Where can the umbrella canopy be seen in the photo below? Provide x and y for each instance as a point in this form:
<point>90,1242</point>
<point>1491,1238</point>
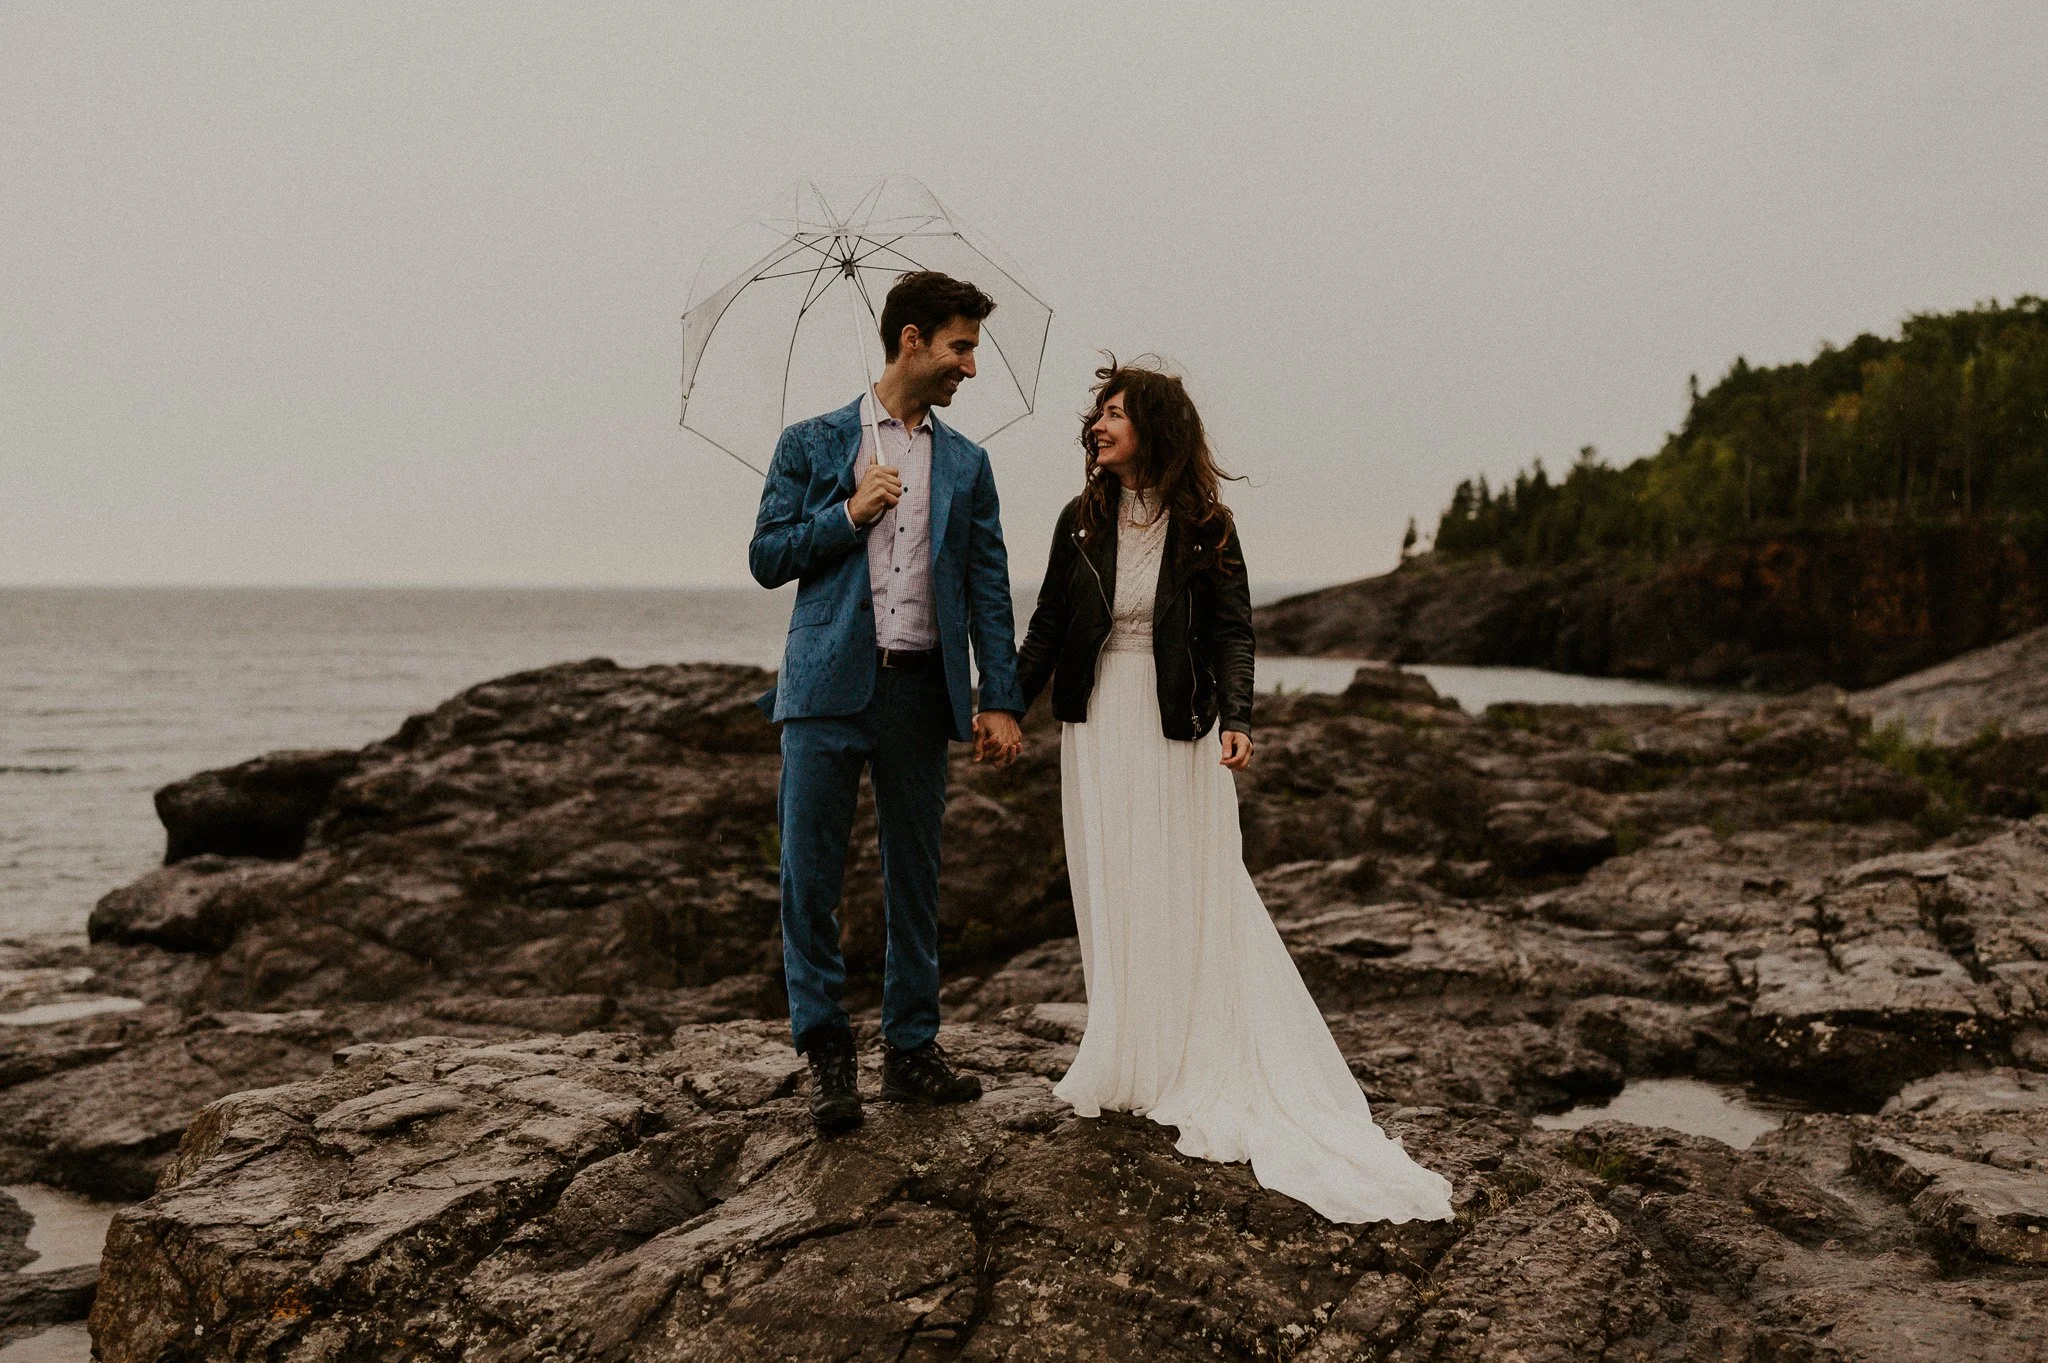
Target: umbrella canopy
<point>784,314</point>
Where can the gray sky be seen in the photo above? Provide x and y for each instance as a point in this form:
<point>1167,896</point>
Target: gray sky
<point>381,293</point>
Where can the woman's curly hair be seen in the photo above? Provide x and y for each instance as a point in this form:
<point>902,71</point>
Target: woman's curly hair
<point>1176,464</point>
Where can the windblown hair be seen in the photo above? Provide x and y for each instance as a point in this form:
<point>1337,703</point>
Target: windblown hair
<point>1175,462</point>
<point>927,300</point>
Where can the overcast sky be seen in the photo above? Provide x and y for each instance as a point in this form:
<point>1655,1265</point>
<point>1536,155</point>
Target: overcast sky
<point>373,293</point>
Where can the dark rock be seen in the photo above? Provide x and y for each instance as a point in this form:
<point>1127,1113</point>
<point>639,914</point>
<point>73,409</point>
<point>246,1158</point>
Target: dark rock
<point>584,847</point>
<point>1977,1207</point>
<point>1388,684</point>
<point>258,808</point>
<point>2002,689</point>
<point>30,1301</point>
<point>105,1129</point>
<point>1902,966</point>
<point>579,1199</point>
<point>1781,612</point>
<point>199,904</point>
<point>1531,837</point>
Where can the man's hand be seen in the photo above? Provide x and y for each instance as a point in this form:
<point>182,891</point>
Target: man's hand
<point>998,737</point>
<point>881,485</point>
<point>1237,750</point>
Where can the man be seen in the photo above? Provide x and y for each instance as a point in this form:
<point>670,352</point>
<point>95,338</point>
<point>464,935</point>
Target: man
<point>898,555</point>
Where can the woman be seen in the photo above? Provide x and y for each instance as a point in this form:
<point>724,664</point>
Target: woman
<point>1197,1017</point>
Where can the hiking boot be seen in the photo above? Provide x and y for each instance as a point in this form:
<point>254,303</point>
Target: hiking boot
<point>923,1075</point>
<point>835,1090</point>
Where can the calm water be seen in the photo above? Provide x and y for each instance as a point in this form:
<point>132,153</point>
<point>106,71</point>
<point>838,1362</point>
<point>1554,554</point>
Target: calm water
<point>108,693</point>
<point>1729,1113</point>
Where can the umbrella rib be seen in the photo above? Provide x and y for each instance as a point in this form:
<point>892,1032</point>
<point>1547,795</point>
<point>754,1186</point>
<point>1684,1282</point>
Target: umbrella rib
<point>787,274</point>
<point>1011,370</point>
<point>878,245</point>
<point>722,449</point>
<point>789,357</point>
<point>860,287</point>
<point>993,264</point>
<point>890,245</point>
<point>713,328</point>
<point>889,248</point>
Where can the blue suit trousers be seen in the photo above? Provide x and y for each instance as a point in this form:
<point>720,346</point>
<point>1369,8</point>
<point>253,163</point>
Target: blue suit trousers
<point>901,738</point>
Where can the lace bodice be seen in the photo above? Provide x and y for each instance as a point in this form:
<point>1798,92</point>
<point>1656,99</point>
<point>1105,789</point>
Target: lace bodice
<point>1140,548</point>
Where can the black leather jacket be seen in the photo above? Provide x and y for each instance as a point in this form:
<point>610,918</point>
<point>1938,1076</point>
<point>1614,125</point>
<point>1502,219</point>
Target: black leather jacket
<point>1201,629</point>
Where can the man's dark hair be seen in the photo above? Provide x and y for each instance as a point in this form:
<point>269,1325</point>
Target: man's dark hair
<point>927,300</point>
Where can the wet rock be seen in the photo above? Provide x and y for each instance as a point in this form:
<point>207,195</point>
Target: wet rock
<point>575,830</point>
<point>565,1013</point>
<point>2003,688</point>
<point>106,1129</point>
<point>197,904</point>
<point>258,808</point>
<point>583,847</point>
<point>569,1195</point>
<point>1642,1036</point>
<point>1978,1208</point>
<point>1388,684</point>
<point>1902,965</point>
<point>1530,837</point>
<point>33,1301</point>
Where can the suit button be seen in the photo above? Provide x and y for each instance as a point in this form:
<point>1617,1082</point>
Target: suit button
<point>867,605</point>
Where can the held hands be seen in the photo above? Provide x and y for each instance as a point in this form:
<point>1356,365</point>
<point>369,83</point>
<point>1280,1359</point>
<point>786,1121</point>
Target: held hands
<point>1237,750</point>
<point>881,485</point>
<point>997,737</point>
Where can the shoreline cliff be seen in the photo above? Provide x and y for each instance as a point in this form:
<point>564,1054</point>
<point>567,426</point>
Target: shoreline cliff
<point>1852,608</point>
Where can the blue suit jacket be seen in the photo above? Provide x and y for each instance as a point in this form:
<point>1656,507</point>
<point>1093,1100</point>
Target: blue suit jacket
<point>803,532</point>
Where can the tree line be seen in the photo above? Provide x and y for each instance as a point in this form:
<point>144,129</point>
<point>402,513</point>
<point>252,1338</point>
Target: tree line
<point>1946,424</point>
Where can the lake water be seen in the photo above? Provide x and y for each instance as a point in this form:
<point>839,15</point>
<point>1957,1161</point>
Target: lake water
<point>107,694</point>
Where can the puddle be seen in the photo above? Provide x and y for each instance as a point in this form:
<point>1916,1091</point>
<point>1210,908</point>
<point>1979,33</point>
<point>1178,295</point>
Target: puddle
<point>1728,1113</point>
<point>68,1011</point>
<point>69,1229</point>
<point>59,1344</point>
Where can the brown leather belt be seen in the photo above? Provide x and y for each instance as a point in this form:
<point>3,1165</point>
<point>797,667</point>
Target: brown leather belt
<point>907,660</point>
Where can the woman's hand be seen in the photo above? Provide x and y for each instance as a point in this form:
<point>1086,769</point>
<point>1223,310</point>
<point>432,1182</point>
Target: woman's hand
<point>1237,750</point>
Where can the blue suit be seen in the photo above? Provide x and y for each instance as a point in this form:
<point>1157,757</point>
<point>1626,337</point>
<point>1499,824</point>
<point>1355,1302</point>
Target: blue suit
<point>841,712</point>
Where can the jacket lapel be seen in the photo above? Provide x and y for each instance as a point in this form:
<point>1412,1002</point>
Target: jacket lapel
<point>1171,577</point>
<point>844,456</point>
<point>947,471</point>
<point>1100,551</point>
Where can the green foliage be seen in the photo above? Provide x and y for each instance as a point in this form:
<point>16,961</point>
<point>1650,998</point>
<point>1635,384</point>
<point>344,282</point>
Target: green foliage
<point>1948,795</point>
<point>1949,421</point>
<point>1612,740</point>
<point>1510,714</point>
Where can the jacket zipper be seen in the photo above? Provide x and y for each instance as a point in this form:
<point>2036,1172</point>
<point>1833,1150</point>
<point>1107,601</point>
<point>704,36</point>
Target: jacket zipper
<point>1109,616</point>
<point>1194,678</point>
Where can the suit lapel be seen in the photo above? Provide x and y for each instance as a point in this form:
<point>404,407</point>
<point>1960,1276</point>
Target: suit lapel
<point>946,475</point>
<point>844,456</point>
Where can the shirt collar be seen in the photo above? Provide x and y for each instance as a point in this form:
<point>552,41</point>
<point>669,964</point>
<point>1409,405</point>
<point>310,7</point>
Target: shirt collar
<point>880,415</point>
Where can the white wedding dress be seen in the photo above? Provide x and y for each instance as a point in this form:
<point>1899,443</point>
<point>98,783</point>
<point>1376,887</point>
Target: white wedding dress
<point>1197,1017</point>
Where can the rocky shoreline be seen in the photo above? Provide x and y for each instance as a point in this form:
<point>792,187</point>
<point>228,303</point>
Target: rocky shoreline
<point>466,1045</point>
<point>1854,607</point>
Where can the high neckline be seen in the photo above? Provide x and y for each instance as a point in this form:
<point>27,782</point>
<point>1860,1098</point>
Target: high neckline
<point>1137,502</point>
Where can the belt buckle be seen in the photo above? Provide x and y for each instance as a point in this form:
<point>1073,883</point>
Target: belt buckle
<point>885,659</point>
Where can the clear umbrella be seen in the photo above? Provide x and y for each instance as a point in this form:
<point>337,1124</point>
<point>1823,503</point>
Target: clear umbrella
<point>783,315</point>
